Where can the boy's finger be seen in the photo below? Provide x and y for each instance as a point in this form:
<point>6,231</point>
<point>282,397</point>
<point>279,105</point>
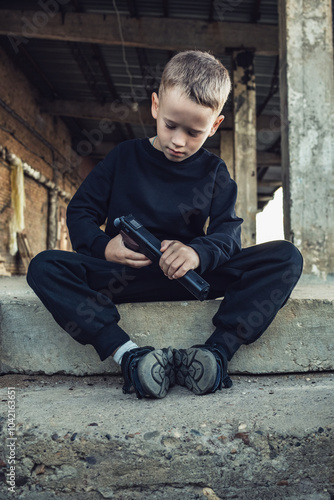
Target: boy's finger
<point>130,255</point>
<point>137,264</point>
<point>165,244</point>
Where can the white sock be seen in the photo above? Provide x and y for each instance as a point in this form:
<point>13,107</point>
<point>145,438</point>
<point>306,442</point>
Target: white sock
<point>122,350</point>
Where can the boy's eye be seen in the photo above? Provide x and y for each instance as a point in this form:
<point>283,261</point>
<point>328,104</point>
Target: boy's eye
<point>190,132</point>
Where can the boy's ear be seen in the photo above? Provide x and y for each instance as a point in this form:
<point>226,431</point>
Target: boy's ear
<point>216,124</point>
<point>155,105</point>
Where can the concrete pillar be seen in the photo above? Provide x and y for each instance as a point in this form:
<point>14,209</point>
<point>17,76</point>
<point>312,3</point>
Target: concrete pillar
<point>227,150</point>
<point>307,107</point>
<point>244,106</point>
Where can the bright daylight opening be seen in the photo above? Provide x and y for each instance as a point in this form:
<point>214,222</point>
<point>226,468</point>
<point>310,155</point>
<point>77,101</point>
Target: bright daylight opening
<point>269,222</point>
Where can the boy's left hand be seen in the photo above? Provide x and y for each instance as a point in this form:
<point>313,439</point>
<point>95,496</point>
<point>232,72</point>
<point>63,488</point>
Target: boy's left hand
<point>177,259</point>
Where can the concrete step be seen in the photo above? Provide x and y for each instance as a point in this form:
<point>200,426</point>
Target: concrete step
<point>268,437</point>
<point>299,340</point>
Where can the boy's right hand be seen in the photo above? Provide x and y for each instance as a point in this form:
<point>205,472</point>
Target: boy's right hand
<point>117,252</point>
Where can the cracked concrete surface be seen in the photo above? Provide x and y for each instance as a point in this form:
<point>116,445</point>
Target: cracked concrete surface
<point>267,437</point>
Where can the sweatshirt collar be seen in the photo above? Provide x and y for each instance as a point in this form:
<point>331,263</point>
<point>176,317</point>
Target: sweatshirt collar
<point>159,155</point>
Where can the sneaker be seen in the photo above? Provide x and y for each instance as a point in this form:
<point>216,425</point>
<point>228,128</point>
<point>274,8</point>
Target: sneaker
<point>201,368</point>
<point>150,371</point>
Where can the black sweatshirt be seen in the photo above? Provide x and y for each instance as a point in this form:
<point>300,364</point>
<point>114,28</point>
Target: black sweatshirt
<point>172,200</point>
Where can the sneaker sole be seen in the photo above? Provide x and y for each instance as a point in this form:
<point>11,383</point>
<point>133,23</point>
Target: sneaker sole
<point>196,369</point>
<point>156,372</point>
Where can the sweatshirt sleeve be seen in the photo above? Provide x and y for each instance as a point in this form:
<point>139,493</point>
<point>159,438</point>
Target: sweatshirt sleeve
<point>222,239</point>
<point>88,210</point>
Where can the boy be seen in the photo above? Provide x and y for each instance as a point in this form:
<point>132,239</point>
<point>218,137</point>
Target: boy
<point>173,186</point>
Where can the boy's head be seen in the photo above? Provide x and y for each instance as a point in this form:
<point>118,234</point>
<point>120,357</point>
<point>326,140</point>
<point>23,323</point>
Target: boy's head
<point>194,88</point>
<point>200,76</point>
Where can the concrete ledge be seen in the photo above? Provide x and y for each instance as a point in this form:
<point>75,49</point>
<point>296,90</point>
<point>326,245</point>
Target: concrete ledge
<point>300,338</point>
<point>265,438</point>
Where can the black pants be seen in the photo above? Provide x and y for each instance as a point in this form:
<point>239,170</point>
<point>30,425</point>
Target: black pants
<point>81,293</point>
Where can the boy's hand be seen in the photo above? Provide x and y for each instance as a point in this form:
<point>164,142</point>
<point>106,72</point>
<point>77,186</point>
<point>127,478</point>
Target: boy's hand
<point>177,259</point>
<point>117,252</point>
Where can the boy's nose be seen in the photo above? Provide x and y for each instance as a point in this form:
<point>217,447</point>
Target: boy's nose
<point>179,138</point>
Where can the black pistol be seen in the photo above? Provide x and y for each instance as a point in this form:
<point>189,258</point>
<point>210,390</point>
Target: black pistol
<point>138,238</point>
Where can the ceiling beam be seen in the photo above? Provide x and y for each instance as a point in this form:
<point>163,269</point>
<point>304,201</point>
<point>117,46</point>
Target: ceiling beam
<point>155,33</point>
<point>116,111</point>
<point>126,113</point>
<point>268,159</point>
<point>265,183</point>
<point>265,198</point>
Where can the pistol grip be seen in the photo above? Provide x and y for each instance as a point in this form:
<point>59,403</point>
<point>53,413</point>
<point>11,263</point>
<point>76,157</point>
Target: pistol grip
<point>129,242</point>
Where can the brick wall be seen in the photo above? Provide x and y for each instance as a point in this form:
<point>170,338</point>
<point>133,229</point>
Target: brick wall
<point>22,130</point>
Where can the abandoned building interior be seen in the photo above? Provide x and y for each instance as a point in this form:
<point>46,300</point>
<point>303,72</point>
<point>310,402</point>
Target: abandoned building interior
<point>77,78</point>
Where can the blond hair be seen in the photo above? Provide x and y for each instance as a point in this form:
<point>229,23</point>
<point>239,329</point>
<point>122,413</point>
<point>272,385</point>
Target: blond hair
<point>201,76</point>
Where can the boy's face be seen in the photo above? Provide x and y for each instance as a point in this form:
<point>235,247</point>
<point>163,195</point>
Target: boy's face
<point>182,125</point>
